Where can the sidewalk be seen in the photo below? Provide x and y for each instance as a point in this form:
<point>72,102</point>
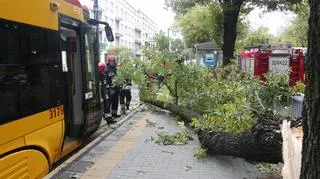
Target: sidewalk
<point>129,153</point>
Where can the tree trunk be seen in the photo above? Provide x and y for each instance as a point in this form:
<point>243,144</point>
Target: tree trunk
<point>262,142</point>
<point>184,113</point>
<point>310,165</point>
<point>176,97</point>
<point>231,11</point>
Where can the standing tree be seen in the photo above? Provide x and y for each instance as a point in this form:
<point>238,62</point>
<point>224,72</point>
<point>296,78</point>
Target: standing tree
<point>297,33</point>
<point>162,41</point>
<point>310,168</point>
<point>202,24</point>
<point>231,11</point>
<point>258,36</point>
<point>177,46</point>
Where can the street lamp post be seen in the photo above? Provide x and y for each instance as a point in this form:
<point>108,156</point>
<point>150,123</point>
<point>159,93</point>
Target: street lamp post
<point>96,17</point>
<point>169,38</point>
<point>96,9</point>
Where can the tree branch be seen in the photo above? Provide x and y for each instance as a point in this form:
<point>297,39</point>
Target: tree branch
<point>261,142</point>
<point>170,89</point>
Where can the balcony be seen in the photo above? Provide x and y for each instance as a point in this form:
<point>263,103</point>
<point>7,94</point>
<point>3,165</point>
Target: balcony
<point>137,40</point>
<point>138,28</point>
<point>118,34</point>
<point>118,17</point>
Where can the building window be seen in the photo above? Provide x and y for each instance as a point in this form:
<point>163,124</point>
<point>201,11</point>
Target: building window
<point>111,6</point>
<point>100,15</point>
<point>100,36</point>
<point>91,14</point>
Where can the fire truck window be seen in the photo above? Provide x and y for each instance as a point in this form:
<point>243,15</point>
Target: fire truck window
<point>30,70</point>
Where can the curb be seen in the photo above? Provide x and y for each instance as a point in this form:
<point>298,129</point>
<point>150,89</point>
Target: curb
<point>76,156</point>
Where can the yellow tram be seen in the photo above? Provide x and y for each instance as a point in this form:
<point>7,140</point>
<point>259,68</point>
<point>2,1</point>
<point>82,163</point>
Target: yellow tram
<point>50,98</point>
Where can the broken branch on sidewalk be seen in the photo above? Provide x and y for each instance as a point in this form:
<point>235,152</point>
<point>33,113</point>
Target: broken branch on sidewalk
<point>262,142</point>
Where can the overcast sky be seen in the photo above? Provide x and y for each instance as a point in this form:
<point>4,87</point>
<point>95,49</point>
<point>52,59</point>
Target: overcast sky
<point>275,21</point>
<point>155,10</point>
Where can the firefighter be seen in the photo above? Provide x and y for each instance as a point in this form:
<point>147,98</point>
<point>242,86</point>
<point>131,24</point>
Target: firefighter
<point>112,89</point>
<point>181,59</point>
<point>102,69</point>
<point>125,91</point>
<point>125,96</point>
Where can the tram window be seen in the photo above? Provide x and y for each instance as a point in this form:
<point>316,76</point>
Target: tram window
<point>90,37</point>
<point>30,70</point>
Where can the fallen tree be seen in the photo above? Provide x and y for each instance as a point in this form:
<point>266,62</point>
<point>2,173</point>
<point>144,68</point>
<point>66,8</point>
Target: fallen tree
<point>185,114</point>
<point>224,104</point>
<point>262,142</point>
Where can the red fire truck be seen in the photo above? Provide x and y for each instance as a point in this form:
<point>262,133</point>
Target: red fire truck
<point>285,58</point>
<point>254,59</point>
<point>278,58</point>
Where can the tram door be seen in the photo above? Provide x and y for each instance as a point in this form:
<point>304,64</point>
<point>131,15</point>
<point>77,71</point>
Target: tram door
<point>71,60</point>
<point>73,98</point>
<point>82,102</point>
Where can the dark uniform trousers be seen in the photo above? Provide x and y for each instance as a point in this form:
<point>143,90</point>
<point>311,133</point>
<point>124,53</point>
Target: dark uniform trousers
<point>125,98</point>
<point>112,100</point>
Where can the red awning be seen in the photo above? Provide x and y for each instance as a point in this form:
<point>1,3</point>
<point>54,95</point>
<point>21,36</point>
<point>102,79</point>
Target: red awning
<point>74,2</point>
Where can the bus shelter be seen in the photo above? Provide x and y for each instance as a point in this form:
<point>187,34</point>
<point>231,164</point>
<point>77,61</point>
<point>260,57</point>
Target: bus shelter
<point>208,54</point>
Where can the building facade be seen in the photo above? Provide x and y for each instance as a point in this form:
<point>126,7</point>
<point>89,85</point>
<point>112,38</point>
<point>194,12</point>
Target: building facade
<point>131,27</point>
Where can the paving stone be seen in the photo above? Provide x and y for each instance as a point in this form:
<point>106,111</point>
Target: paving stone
<point>99,150</point>
<point>112,138</point>
<point>80,167</point>
<point>107,143</point>
<point>66,174</point>
<point>89,157</point>
<point>151,158</point>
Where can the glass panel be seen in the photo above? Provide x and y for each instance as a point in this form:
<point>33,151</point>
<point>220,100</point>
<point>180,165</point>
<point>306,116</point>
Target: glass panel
<point>91,75</point>
<point>30,70</point>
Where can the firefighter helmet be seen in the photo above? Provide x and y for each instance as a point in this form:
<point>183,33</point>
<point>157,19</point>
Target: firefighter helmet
<point>112,60</point>
<point>101,67</point>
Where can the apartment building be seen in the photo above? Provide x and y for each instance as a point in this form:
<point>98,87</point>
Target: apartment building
<point>131,27</point>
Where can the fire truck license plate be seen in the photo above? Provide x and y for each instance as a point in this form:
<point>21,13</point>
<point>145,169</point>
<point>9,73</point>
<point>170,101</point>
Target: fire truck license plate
<point>279,64</point>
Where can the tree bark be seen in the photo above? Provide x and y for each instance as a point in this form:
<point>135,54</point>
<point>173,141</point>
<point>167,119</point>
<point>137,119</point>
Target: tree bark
<point>231,10</point>
<point>310,165</point>
<point>176,96</point>
<point>184,113</point>
<point>262,142</point>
